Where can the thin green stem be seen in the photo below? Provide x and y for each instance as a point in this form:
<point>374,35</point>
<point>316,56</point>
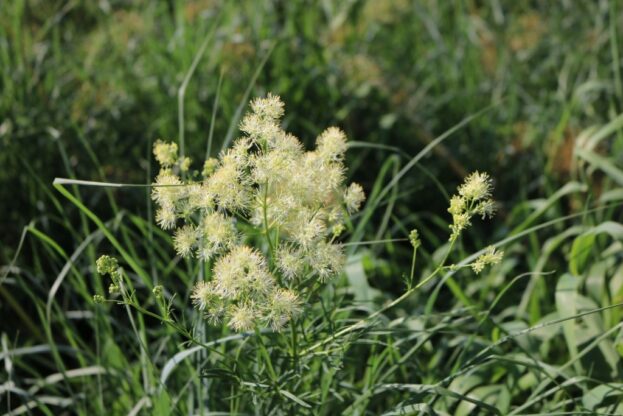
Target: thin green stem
<point>266,229</point>
<point>411,276</point>
<point>264,353</point>
<point>295,356</point>
<point>363,322</point>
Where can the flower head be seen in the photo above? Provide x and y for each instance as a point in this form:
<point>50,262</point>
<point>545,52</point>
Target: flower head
<point>490,257</point>
<point>473,198</point>
<point>242,317</point>
<point>216,234</point>
<point>207,299</point>
<point>168,189</point>
<point>270,107</point>
<point>265,185</point>
<point>326,260</point>
<point>477,186</point>
<point>106,265</point>
<point>209,166</point>
<point>414,238</point>
<point>227,186</point>
<point>354,197</point>
<point>331,144</point>
<point>242,273</point>
<point>290,262</point>
<point>283,305</point>
<point>184,240</point>
<point>165,153</point>
<point>166,216</point>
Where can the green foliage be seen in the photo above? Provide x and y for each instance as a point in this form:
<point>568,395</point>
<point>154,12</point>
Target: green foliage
<point>529,92</point>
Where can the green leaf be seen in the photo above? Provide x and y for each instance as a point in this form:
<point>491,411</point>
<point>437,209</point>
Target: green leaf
<point>580,250</point>
<point>603,164</point>
<point>596,396</point>
<point>582,245</point>
<point>566,301</point>
<point>358,280</point>
<point>295,399</point>
<point>161,404</point>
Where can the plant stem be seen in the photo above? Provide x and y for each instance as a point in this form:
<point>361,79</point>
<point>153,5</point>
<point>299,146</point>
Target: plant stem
<point>266,230</point>
<point>363,322</point>
<point>294,345</point>
<point>412,268</point>
<point>265,355</point>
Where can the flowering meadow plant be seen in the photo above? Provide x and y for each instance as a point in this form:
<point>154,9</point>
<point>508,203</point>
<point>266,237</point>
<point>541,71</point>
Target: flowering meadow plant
<point>266,217</point>
<point>264,228</point>
<point>266,185</point>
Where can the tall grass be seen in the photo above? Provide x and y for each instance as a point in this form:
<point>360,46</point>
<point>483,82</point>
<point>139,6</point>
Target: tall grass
<point>86,90</point>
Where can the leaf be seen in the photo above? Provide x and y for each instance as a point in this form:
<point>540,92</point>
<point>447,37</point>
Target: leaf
<point>294,398</point>
<point>594,136</point>
<point>580,250</point>
<point>568,188</point>
<point>602,163</point>
<point>566,301</point>
<point>596,396</point>
<point>161,404</point>
<point>358,280</point>
<point>496,395</point>
<point>582,245</point>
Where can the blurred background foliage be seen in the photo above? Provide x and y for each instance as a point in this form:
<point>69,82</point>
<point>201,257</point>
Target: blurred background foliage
<point>87,86</point>
<point>104,76</point>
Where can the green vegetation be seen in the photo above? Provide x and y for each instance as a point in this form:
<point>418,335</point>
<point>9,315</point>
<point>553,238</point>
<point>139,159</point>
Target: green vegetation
<point>427,92</point>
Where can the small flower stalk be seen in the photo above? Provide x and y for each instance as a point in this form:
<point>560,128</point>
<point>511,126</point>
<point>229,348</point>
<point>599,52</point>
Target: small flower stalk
<point>265,185</point>
<point>473,198</point>
<point>490,257</point>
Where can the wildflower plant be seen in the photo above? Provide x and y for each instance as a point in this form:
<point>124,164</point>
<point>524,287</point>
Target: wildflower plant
<point>265,185</point>
<point>265,219</point>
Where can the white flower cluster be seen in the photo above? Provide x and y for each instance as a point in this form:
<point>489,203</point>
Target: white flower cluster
<point>474,198</point>
<point>490,257</point>
<point>265,184</point>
